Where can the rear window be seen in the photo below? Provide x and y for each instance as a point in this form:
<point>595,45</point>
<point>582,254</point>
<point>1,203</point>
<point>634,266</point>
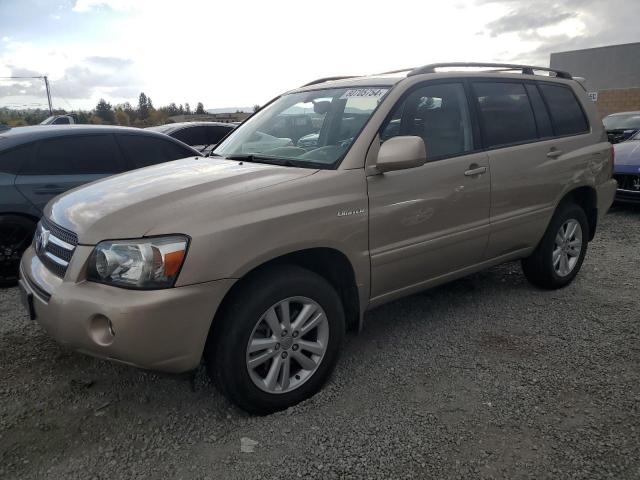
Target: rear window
<point>75,155</point>
<point>566,114</point>
<point>12,160</point>
<point>506,113</point>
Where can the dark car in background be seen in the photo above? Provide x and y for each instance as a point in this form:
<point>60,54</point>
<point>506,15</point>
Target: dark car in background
<point>621,126</point>
<point>203,136</point>
<point>626,169</point>
<point>37,163</point>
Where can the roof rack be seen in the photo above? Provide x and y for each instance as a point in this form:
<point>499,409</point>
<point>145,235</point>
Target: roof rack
<point>328,79</point>
<point>525,69</point>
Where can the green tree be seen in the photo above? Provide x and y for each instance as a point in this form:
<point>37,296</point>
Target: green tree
<point>143,106</point>
<point>187,109</point>
<point>200,109</point>
<point>104,111</point>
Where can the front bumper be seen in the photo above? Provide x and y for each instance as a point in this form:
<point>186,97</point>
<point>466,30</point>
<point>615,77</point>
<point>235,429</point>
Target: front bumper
<point>157,329</point>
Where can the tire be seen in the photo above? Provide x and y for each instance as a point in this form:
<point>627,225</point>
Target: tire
<point>16,233</point>
<point>546,269</point>
<point>248,317</point>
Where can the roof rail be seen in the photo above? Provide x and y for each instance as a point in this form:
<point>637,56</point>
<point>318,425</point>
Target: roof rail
<point>400,70</point>
<point>525,69</point>
<point>328,79</point>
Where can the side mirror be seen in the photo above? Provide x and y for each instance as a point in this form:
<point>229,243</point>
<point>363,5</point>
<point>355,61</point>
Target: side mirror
<point>399,153</point>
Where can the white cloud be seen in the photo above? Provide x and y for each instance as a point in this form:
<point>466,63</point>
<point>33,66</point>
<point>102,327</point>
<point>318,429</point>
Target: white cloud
<point>245,52</point>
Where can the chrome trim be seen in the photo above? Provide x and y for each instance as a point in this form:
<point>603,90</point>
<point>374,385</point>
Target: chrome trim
<point>59,261</point>
<point>61,243</point>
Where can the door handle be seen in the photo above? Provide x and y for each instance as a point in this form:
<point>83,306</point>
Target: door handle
<point>554,153</point>
<point>475,170</point>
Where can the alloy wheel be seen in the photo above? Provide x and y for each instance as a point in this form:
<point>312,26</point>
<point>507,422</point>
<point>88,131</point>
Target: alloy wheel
<point>287,345</point>
<point>567,248</point>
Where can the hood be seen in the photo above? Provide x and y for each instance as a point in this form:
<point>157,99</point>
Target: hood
<point>627,153</point>
<point>131,204</point>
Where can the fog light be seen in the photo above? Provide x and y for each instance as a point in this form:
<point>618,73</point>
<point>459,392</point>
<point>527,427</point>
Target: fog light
<point>101,330</point>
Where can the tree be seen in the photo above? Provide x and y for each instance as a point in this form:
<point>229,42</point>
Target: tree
<point>122,118</point>
<point>104,111</point>
<point>181,109</point>
<point>187,109</point>
<point>256,108</point>
<point>200,109</point>
<point>143,106</point>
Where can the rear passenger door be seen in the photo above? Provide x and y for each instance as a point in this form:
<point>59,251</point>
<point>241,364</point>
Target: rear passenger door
<point>528,170</point>
<point>63,163</point>
<point>145,150</point>
<point>432,220</point>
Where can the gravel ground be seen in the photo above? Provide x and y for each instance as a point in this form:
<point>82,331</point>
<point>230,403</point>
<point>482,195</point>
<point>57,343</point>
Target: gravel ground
<point>486,377</point>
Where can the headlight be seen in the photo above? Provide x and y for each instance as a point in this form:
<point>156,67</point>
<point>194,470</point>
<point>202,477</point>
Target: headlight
<point>147,263</point>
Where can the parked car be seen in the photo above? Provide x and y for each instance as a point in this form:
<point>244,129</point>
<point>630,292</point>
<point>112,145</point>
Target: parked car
<point>257,260</point>
<point>37,163</point>
<point>203,136</point>
<point>621,126</point>
<point>627,169</point>
<point>59,120</point>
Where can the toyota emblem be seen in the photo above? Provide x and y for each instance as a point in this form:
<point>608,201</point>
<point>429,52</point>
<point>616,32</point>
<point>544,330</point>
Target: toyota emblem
<point>42,239</point>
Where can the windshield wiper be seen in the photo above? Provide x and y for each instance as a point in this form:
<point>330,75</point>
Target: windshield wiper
<point>250,157</point>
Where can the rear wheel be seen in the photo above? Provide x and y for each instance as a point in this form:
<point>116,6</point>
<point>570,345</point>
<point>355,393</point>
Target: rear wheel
<point>559,256</point>
<point>277,340</point>
<point>16,233</point>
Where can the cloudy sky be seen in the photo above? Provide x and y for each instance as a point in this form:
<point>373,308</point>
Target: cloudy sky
<point>241,53</point>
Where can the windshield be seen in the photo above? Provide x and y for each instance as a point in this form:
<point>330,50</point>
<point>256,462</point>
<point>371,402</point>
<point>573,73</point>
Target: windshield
<point>313,128</point>
<point>627,121</point>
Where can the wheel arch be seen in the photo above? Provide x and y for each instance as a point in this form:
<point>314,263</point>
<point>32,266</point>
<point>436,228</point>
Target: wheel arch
<point>330,263</point>
<point>586,197</point>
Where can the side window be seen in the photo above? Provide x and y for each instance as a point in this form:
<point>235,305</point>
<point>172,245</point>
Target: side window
<point>13,160</point>
<point>505,113</point>
<point>61,121</point>
<point>75,155</point>
<point>142,151</point>
<point>566,113</point>
<point>191,135</point>
<point>215,134</point>
<point>540,110</point>
<point>437,113</point>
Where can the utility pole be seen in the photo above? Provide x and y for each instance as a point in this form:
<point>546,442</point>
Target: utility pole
<point>46,84</point>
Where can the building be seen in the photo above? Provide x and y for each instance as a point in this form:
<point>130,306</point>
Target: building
<point>612,74</point>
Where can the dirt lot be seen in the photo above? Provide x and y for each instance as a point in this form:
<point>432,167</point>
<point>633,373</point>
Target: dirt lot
<point>486,377</point>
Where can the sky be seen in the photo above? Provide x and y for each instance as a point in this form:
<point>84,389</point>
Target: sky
<point>241,53</point>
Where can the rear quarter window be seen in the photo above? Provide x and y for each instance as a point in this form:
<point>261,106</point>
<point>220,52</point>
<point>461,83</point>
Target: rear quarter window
<point>143,151</point>
<point>566,113</point>
<point>12,160</point>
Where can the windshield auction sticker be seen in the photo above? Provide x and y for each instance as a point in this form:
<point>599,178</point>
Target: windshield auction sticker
<point>364,93</point>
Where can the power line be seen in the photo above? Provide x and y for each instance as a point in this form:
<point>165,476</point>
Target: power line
<point>46,84</point>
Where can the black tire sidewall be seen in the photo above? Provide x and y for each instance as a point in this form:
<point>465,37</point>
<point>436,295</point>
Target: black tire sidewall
<point>566,212</point>
<point>30,226</point>
<point>227,361</point>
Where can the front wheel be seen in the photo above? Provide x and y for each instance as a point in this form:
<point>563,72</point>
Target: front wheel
<point>276,340</point>
<point>16,233</point>
<point>558,258</point>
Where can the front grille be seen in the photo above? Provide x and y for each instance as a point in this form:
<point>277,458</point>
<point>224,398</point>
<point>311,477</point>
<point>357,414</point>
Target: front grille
<point>54,246</point>
<point>628,182</point>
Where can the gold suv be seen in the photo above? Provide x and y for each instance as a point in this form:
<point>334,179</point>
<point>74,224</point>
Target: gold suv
<point>334,198</point>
